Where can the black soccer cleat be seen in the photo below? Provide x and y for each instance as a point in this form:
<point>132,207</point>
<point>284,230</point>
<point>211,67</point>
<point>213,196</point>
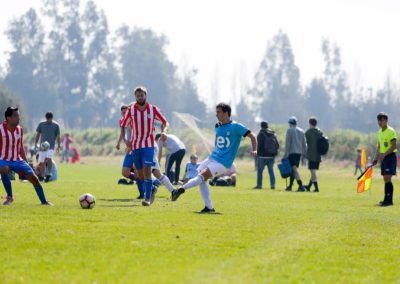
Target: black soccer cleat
<point>176,193</point>
<point>289,188</point>
<point>385,203</point>
<point>207,210</point>
<point>47,179</point>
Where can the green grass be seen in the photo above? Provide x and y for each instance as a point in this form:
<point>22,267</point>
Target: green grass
<point>334,236</point>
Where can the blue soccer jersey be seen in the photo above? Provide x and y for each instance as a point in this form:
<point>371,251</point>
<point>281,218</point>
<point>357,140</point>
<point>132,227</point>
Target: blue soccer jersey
<point>227,141</point>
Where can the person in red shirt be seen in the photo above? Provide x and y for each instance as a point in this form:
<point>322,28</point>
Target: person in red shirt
<point>143,116</point>
<point>13,157</point>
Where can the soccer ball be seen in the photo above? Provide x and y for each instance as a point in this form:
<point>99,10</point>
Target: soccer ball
<point>87,201</point>
<point>44,146</point>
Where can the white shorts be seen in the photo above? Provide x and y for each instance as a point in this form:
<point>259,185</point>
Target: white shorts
<point>156,165</point>
<point>215,168</point>
<point>45,154</point>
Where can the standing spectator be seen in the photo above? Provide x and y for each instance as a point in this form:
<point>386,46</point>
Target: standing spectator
<point>295,149</point>
<point>176,151</point>
<point>66,147</point>
<point>313,134</point>
<point>267,149</point>
<point>49,131</point>
<point>386,155</point>
<point>358,162</point>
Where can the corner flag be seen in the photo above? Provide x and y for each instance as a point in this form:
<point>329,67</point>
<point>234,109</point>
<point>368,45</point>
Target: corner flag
<point>365,180</point>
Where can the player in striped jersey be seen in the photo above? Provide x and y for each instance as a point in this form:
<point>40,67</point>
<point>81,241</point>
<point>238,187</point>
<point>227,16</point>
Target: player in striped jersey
<point>13,157</point>
<point>143,115</point>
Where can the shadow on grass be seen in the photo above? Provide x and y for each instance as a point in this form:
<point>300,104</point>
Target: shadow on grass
<point>214,213</point>
<point>122,205</point>
<point>119,199</point>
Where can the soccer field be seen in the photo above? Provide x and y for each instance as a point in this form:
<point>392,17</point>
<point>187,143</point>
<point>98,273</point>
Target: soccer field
<point>258,236</point>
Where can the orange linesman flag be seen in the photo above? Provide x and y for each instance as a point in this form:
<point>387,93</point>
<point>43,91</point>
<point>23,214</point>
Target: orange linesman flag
<point>365,180</point>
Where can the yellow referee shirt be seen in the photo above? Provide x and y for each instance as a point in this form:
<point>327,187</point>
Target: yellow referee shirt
<point>385,139</point>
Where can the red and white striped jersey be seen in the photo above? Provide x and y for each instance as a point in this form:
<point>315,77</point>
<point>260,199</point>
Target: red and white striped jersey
<point>10,143</point>
<point>142,124</point>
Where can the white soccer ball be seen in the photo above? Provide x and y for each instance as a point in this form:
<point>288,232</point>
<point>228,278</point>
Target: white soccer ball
<point>87,201</point>
<point>44,146</point>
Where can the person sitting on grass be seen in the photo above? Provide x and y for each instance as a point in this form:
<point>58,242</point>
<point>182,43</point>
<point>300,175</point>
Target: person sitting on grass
<point>226,179</point>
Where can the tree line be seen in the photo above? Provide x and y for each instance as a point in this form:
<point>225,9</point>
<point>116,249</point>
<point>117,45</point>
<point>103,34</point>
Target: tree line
<point>75,66</point>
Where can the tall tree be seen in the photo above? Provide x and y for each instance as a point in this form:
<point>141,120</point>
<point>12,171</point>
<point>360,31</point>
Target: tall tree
<point>143,61</point>
<point>24,75</point>
<point>277,86</point>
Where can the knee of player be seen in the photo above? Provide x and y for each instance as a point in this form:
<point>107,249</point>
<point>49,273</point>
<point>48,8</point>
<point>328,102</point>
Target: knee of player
<point>4,170</point>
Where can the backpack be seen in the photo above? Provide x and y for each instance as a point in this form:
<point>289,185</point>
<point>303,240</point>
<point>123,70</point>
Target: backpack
<point>271,145</point>
<point>323,145</point>
<point>285,168</point>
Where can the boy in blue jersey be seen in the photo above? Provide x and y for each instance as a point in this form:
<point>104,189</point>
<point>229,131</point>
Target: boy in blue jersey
<point>227,141</point>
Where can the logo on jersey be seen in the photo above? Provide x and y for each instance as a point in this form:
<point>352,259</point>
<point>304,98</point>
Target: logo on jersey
<point>223,142</point>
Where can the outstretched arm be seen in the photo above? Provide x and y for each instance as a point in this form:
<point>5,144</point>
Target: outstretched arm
<point>253,139</point>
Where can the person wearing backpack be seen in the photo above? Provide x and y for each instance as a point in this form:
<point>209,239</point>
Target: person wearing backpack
<point>267,149</point>
<point>295,149</point>
<point>313,136</point>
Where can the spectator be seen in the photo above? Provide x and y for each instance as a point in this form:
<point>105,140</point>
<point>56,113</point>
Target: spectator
<point>66,147</point>
<point>191,168</point>
<point>49,131</point>
<point>226,179</point>
<point>267,149</point>
<point>313,134</point>
<point>295,149</point>
<point>358,162</point>
<point>176,151</point>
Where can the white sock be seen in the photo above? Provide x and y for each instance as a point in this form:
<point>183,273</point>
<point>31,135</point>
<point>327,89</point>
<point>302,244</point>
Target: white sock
<point>205,193</point>
<point>193,182</point>
<point>166,182</point>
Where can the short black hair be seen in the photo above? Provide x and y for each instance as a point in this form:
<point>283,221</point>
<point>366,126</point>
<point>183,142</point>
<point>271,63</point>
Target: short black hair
<point>49,115</point>
<point>140,88</point>
<point>9,111</point>
<point>313,121</point>
<point>225,108</point>
<point>124,107</point>
<point>382,115</point>
<point>158,135</point>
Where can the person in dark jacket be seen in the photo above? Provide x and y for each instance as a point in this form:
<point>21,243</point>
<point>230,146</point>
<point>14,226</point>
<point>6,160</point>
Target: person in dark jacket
<point>267,149</point>
<point>313,134</point>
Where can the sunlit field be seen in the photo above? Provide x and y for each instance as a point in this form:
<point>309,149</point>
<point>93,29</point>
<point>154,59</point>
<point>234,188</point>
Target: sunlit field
<point>257,236</point>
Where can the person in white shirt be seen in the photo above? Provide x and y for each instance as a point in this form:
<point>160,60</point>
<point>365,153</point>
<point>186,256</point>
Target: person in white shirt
<point>176,151</point>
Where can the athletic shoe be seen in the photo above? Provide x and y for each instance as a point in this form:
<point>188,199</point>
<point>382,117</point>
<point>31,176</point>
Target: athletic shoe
<point>207,210</point>
<point>257,187</point>
<point>289,188</point>
<point>273,187</point>
<point>140,197</point>
<point>47,203</point>
<point>307,188</point>
<point>316,190</point>
<point>301,189</point>
<point>176,193</point>
<point>385,203</point>
<point>146,202</point>
<point>47,179</point>
<point>153,195</point>
<point>8,201</point>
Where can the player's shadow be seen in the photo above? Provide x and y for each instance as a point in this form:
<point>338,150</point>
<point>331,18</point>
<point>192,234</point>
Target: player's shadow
<point>118,199</point>
<point>214,213</point>
<point>120,205</point>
